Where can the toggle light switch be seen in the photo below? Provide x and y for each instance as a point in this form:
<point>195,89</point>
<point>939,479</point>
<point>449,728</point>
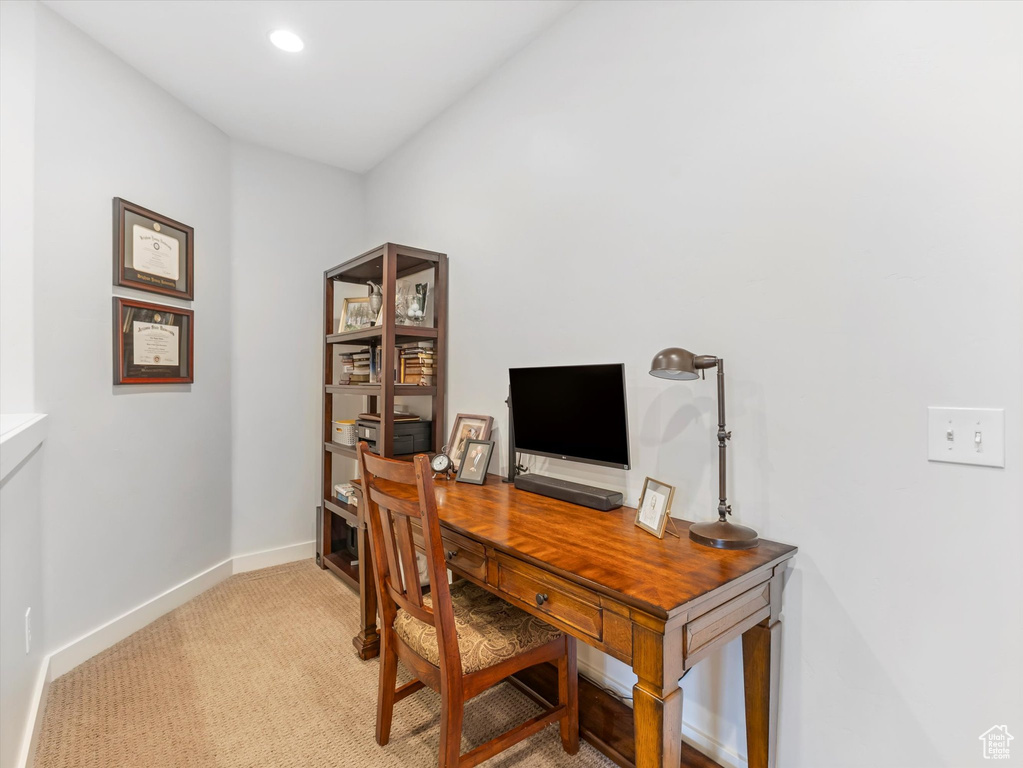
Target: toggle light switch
<point>987,425</point>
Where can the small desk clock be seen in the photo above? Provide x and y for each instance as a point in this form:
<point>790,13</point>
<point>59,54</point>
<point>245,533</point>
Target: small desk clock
<point>441,464</point>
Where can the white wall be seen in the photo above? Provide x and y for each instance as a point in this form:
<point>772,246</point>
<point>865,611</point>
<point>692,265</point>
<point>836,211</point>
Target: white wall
<point>21,542</point>
<point>133,491</point>
<point>136,480</point>
<point>17,153</point>
<point>828,196</point>
<point>291,219</point>
<point>21,587</point>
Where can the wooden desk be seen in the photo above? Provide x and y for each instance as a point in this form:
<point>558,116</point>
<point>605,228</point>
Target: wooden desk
<point>660,605</point>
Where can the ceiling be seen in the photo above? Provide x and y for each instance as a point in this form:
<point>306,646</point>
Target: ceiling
<point>371,75</point>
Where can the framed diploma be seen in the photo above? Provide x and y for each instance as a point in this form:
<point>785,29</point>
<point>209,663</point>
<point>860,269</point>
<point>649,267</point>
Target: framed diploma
<point>151,252</point>
<point>152,343</point>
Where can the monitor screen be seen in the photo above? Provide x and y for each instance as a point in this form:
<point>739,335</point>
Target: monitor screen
<point>574,412</point>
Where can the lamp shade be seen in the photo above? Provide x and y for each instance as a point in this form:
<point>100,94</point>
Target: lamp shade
<point>674,363</point>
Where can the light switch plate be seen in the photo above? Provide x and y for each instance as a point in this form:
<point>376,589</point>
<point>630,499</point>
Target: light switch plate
<point>966,435</point>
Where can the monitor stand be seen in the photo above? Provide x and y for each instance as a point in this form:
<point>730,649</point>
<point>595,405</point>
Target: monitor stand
<point>565,490</point>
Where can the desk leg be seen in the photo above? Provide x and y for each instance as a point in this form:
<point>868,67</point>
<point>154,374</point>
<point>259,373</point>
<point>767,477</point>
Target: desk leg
<point>367,642</point>
<point>761,647</point>
<point>657,698</point>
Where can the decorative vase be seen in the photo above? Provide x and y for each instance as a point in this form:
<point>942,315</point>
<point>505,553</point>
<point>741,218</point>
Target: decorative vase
<point>376,300</point>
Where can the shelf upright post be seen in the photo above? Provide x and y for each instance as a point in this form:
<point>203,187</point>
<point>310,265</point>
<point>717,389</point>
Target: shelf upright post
<point>440,374</point>
<point>328,418</point>
<point>386,399</point>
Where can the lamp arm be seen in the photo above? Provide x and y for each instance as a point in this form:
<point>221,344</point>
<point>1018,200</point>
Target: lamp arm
<point>723,508</point>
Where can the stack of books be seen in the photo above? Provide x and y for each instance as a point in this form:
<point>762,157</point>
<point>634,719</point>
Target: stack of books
<point>345,493</point>
<point>347,365</point>
<point>426,364</point>
<point>361,369</point>
<point>416,363</point>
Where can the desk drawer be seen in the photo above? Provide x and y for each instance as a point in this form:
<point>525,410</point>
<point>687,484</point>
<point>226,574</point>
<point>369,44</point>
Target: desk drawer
<point>459,552</point>
<point>454,540</point>
<point>564,601</point>
<point>465,554</point>
<point>727,620</point>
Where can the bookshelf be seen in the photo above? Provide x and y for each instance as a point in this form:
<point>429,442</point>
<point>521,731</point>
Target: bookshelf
<point>392,267</point>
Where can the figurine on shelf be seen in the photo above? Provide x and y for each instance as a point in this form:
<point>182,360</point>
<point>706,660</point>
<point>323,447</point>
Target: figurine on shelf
<point>376,300</point>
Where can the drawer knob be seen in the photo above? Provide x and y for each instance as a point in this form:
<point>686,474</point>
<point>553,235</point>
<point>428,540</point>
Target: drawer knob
<point>451,553</point>
<point>541,598</point>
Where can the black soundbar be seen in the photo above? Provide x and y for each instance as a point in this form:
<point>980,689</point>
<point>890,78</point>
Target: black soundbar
<point>575,493</point>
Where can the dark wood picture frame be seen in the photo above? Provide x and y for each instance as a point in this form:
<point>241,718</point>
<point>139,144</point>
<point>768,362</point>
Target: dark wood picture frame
<point>463,476</point>
<point>452,444</point>
<point>152,373</point>
<point>126,213</point>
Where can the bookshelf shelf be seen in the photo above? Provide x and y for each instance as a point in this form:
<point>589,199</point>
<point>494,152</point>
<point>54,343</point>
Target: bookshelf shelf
<point>340,450</point>
<point>345,565</point>
<point>347,512</point>
<point>370,265</point>
<point>400,390</point>
<point>374,336</point>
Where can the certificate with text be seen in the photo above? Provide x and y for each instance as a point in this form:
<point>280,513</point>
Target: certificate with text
<point>154,344</point>
<point>154,253</point>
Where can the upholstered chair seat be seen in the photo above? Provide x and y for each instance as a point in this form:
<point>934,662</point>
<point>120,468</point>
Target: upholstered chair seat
<point>489,629</point>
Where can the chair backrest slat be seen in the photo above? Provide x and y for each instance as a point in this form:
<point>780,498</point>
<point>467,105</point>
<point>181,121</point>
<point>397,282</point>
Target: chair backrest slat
<point>387,501</point>
<point>409,565</point>
<point>390,545</point>
<point>401,472</point>
<point>398,494</point>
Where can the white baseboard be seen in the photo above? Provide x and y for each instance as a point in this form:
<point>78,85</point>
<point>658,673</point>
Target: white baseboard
<point>711,747</point>
<point>64,659</point>
<point>305,550</point>
<point>708,745</point>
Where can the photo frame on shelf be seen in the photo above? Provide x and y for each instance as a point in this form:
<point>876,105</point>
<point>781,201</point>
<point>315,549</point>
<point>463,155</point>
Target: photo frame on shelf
<point>467,427</point>
<point>153,343</point>
<point>152,252</point>
<point>653,513</point>
<point>356,315</point>
<point>476,460</point>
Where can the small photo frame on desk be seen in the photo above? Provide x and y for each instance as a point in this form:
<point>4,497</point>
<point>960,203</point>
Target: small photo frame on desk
<point>468,426</point>
<point>475,462</point>
<point>653,511</point>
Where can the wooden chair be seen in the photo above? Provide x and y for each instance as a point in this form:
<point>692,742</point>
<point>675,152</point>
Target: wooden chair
<point>458,640</point>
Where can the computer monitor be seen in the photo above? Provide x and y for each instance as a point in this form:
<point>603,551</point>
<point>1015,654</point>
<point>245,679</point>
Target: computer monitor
<point>572,412</point>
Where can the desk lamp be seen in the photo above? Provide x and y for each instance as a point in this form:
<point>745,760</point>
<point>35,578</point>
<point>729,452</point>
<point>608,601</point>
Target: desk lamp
<point>682,365</point>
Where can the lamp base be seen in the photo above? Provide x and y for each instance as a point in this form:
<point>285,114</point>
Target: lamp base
<point>723,535</point>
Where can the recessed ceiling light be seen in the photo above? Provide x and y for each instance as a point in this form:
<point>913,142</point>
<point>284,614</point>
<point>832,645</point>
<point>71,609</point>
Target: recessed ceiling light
<point>286,41</point>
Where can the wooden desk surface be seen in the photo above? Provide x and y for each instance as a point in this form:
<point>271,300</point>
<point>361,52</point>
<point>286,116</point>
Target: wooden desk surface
<point>603,551</point>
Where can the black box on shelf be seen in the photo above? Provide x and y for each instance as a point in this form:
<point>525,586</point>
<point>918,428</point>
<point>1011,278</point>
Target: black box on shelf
<point>409,436</point>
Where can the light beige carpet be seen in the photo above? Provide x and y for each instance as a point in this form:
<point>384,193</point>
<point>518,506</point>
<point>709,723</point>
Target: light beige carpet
<point>260,671</point>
